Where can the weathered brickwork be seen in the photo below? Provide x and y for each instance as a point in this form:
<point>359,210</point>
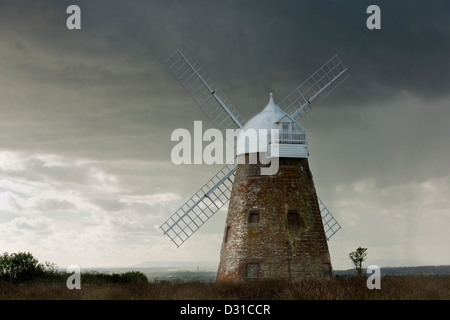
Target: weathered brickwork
<point>275,246</point>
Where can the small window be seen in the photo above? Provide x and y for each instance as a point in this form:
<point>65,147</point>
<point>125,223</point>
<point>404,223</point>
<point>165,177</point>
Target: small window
<point>326,269</point>
<point>292,218</point>
<point>252,270</point>
<point>226,233</point>
<point>253,216</point>
<point>308,173</point>
<point>285,131</point>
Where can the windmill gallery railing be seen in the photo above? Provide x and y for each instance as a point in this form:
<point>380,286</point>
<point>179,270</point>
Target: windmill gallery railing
<point>291,137</point>
<point>290,144</point>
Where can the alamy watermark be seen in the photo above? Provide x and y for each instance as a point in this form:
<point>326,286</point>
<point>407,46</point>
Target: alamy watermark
<point>74,281</point>
<point>73,22</point>
<point>259,144</point>
<point>374,280</point>
<point>374,20</point>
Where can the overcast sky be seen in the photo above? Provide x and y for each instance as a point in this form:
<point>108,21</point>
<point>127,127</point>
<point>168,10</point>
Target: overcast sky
<point>86,118</point>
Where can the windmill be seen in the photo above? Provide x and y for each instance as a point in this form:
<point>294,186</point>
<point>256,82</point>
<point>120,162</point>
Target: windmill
<point>276,225</point>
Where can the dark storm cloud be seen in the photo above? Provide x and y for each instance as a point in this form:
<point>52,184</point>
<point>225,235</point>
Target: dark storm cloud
<point>247,44</point>
<point>104,92</point>
<point>266,42</point>
<point>259,44</point>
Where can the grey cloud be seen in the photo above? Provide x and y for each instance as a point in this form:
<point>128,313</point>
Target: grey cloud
<point>40,226</point>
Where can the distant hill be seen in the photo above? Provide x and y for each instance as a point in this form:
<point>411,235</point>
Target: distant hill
<point>207,271</point>
<point>192,266</point>
<point>403,270</point>
<point>186,265</point>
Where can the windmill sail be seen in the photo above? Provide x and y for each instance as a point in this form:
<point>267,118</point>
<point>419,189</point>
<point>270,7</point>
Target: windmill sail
<point>200,207</point>
<point>211,198</point>
<point>315,88</point>
<point>216,192</point>
<point>330,224</point>
<point>202,89</point>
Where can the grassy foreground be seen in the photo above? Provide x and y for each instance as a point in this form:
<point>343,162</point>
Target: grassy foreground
<point>411,287</point>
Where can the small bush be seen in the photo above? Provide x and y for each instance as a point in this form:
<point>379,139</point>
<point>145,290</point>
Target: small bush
<point>19,267</point>
<point>94,277</point>
<point>134,277</point>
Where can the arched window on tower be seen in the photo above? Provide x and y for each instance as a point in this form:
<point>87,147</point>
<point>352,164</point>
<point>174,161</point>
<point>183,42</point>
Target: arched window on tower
<point>292,218</point>
<point>253,216</point>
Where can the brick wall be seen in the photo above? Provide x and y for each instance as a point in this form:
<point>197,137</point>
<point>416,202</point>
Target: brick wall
<point>273,247</point>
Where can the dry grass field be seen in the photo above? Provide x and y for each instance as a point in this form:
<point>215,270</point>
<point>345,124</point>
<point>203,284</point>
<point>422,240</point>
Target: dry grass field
<point>410,287</point>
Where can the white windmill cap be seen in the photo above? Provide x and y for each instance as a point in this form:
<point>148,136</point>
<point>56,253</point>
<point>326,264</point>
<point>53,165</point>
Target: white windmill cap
<point>267,119</point>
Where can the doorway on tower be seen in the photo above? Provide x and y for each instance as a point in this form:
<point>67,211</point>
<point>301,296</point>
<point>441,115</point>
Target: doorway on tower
<point>326,269</point>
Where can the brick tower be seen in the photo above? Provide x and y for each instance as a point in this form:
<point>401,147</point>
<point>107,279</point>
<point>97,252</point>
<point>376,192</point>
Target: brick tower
<point>277,227</point>
<point>274,227</point>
